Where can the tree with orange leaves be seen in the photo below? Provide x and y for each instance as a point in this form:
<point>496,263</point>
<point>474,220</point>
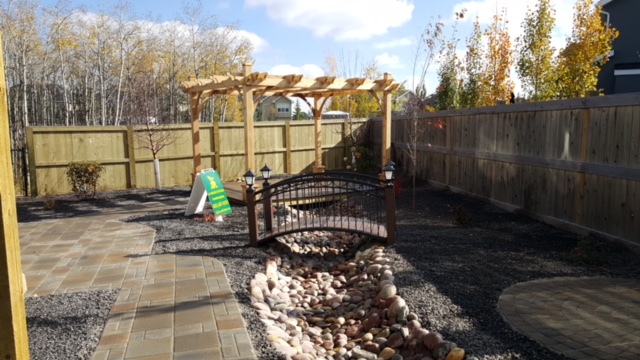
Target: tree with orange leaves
<point>496,81</point>
<point>586,51</point>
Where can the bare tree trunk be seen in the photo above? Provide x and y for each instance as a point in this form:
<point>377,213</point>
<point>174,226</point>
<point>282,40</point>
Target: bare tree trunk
<point>64,89</point>
<point>117,118</point>
<point>25,108</point>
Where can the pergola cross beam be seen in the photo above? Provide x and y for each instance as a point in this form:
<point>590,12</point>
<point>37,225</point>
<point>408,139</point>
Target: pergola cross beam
<point>254,85</point>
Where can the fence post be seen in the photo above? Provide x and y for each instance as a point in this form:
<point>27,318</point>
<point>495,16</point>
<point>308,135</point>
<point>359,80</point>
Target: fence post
<point>33,178</point>
<point>132,157</point>
<point>216,148</point>
<point>346,134</point>
<point>287,140</point>
<point>25,171</point>
<point>390,200</point>
<point>253,219</point>
<point>266,206</point>
<point>584,148</point>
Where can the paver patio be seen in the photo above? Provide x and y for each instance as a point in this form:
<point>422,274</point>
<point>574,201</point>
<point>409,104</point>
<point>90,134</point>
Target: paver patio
<point>583,318</point>
<point>169,306</point>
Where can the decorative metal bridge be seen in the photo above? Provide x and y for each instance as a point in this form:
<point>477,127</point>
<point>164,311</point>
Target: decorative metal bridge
<point>333,200</point>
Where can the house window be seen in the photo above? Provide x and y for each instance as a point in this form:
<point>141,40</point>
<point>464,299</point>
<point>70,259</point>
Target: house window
<point>283,109</point>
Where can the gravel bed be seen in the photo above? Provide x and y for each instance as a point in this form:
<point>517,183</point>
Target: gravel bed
<point>67,326</point>
<point>450,272</point>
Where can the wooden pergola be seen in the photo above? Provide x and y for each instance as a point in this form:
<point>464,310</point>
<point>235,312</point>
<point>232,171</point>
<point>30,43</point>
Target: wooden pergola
<point>252,86</point>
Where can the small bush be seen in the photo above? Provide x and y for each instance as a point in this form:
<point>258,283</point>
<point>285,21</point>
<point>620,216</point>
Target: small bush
<point>587,251</point>
<point>593,250</point>
<point>50,203</point>
<point>460,216</point>
<point>83,177</point>
<point>365,162</point>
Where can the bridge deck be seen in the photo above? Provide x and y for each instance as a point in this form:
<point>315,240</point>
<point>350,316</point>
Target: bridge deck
<point>235,194</point>
<point>351,224</point>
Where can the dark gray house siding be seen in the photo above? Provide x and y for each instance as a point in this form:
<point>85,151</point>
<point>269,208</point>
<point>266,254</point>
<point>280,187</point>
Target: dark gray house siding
<point>622,73</point>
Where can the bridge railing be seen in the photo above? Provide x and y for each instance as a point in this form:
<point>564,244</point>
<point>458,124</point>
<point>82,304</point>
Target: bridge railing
<point>335,200</point>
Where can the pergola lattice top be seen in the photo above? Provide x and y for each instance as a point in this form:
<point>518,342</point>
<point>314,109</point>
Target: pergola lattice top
<point>254,85</point>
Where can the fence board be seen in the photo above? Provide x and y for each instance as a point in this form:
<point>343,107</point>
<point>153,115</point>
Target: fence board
<point>128,165</point>
<point>634,145</point>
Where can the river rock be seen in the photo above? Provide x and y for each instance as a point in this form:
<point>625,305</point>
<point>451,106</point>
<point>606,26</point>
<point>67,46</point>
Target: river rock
<point>413,325</point>
<point>302,356</point>
<point>415,340</point>
<point>271,269</point>
<point>395,340</point>
<point>387,291</point>
<point>257,293</point>
<point>394,308</point>
<point>387,353</point>
<point>443,349</point>
<point>455,354</point>
<point>432,340</point>
<point>412,316</point>
<point>364,354</point>
<point>372,347</point>
<point>261,306</point>
<point>276,331</point>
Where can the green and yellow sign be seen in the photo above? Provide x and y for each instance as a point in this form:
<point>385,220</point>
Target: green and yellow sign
<point>215,191</point>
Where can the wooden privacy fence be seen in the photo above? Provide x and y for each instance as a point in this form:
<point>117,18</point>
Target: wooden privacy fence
<point>287,146</point>
<point>573,163</point>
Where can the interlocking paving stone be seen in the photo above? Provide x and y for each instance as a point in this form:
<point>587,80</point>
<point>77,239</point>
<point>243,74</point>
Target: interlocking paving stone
<point>169,306</point>
<point>583,318</point>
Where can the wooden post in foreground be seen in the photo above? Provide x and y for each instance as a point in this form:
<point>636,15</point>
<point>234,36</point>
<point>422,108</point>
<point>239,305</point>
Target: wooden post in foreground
<point>317,127</point>
<point>195,133</point>
<point>247,112</point>
<point>390,201</point>
<point>14,344</point>
<point>253,216</point>
<point>386,123</point>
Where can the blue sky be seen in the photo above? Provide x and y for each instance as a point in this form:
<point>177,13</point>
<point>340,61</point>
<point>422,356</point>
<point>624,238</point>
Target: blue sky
<point>295,36</point>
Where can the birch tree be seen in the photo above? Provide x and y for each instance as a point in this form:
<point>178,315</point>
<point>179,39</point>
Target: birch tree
<point>535,63</point>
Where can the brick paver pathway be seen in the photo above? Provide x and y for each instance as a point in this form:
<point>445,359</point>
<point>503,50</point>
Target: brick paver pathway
<point>583,318</point>
<point>169,306</point>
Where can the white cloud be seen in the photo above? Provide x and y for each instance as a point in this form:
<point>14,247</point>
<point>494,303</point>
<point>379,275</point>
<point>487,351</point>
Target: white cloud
<point>394,43</point>
<point>339,19</point>
<point>258,43</point>
<point>309,70</point>
<point>392,61</point>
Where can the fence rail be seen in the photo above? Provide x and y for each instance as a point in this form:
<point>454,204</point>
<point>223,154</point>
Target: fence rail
<point>284,145</point>
<point>573,163</point>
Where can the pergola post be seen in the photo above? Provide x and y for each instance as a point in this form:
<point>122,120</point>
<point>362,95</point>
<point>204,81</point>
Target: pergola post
<point>317,127</point>
<point>386,123</point>
<point>247,112</point>
<point>13,321</point>
<point>195,132</point>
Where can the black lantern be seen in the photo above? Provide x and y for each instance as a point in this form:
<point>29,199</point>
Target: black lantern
<point>266,174</point>
<point>388,171</point>
<point>250,178</point>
